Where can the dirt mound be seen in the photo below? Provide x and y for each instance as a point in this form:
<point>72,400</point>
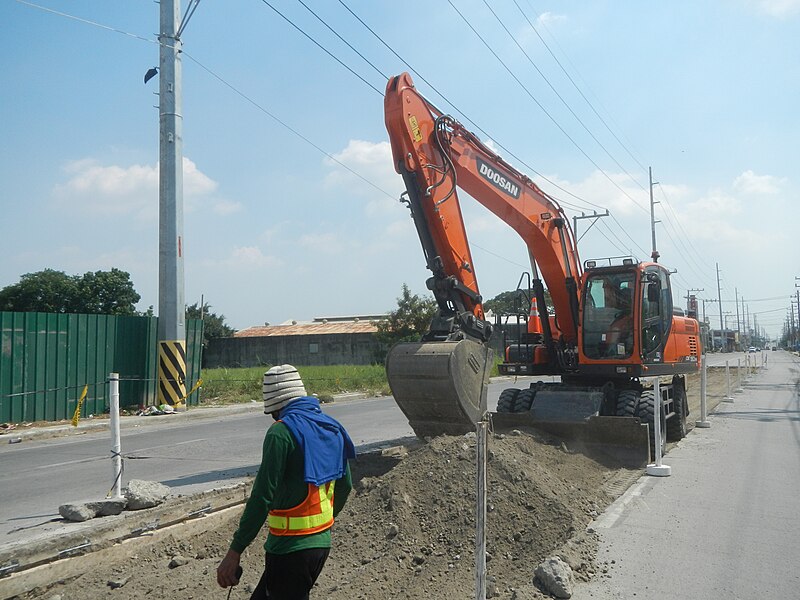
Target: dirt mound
<point>412,530</point>
<point>408,530</point>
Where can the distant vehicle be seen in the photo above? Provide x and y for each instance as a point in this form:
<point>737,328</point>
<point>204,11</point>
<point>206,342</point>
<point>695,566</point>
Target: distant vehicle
<point>774,348</point>
<point>752,349</point>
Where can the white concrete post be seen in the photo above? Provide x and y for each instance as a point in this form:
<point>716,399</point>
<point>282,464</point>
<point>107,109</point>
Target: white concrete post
<point>739,389</point>
<point>657,469</point>
<point>728,397</point>
<point>116,446</point>
<point>480,512</point>
<point>703,423</point>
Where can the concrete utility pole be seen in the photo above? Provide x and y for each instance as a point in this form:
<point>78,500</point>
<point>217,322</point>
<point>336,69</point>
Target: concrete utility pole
<point>744,325</point>
<point>738,326</point>
<point>721,327</point>
<point>797,293</point>
<point>171,304</point>
<point>653,221</point>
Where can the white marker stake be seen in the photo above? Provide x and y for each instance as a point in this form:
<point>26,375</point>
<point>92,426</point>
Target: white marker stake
<point>703,422</point>
<point>728,397</point>
<point>116,446</point>
<point>657,469</point>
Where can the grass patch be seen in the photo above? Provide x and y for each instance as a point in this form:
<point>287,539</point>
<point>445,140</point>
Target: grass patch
<point>230,386</point>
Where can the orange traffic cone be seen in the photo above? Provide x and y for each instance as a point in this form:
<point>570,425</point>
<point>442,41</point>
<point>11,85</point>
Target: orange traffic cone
<point>535,321</point>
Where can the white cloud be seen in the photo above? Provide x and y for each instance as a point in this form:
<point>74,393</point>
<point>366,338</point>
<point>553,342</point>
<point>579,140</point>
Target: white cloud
<point>750,183</point>
<point>116,190</point>
<point>548,19</point>
<point>778,8</point>
<point>372,161</point>
<point>226,207</point>
<point>325,243</point>
<point>244,258</point>
<point>616,191</point>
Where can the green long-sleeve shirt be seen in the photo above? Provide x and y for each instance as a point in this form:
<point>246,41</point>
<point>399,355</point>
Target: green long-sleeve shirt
<point>280,484</point>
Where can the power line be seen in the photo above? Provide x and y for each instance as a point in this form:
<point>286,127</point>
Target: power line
<point>225,83</point>
<point>321,20</point>
<point>285,125</point>
<point>560,97</point>
<point>87,21</point>
<point>321,47</point>
<point>468,119</point>
<point>544,110</point>
<point>297,133</point>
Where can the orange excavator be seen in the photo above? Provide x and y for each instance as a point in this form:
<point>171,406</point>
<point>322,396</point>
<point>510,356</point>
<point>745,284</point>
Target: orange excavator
<point>606,331</point>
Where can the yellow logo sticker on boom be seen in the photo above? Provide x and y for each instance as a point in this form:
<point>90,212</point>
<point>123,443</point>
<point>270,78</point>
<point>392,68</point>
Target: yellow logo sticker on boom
<point>415,132</point>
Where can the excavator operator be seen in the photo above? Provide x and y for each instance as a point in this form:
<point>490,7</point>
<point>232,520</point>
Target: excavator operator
<point>619,338</point>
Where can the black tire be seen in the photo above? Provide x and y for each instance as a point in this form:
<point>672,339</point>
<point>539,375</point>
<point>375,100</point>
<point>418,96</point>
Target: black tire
<point>626,403</point>
<point>645,410</point>
<point>676,425</point>
<point>524,401</point>
<point>508,397</point>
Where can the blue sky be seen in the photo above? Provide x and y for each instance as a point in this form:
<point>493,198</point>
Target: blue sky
<point>276,229</point>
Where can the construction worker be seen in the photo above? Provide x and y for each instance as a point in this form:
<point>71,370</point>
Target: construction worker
<point>301,485</point>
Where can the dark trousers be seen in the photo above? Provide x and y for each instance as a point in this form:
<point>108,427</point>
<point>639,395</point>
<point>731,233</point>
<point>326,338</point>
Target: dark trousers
<point>290,576</point>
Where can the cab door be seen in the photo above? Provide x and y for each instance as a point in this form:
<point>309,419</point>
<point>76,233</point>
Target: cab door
<point>656,313</point>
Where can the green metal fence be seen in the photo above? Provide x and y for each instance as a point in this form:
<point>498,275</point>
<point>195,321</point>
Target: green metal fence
<point>47,359</point>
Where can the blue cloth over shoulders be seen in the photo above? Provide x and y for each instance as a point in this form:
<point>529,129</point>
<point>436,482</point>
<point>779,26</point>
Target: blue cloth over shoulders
<point>325,444</point>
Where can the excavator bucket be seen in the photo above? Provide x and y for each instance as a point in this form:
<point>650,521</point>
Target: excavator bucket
<point>440,386</point>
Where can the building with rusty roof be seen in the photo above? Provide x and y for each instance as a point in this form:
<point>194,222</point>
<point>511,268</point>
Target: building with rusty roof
<point>322,341</point>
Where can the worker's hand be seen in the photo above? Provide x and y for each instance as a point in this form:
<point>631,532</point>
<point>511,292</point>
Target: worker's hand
<point>226,571</point>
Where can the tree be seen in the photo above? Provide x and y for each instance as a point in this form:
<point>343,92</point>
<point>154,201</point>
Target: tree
<point>101,292</point>
<point>107,293</point>
<point>44,291</point>
<point>213,325</point>
<point>411,319</point>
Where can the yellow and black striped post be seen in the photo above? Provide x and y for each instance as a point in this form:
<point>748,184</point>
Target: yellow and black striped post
<point>171,372</point>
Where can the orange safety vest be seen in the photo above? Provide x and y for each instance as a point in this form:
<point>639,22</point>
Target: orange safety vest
<point>312,515</point>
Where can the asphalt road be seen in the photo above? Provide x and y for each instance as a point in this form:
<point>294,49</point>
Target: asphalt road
<point>725,523</point>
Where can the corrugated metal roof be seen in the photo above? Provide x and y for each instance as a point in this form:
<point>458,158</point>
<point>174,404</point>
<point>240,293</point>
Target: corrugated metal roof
<point>310,329</point>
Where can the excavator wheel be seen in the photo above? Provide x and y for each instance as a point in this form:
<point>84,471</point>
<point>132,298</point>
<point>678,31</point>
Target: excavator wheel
<point>676,425</point>
<point>626,403</point>
<point>507,400</point>
<point>645,410</point>
<point>524,401</point>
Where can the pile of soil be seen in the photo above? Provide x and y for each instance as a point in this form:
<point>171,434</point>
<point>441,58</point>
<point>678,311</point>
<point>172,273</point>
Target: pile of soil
<point>408,530</point>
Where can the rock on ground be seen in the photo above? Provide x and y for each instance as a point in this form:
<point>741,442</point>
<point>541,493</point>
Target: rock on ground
<point>555,576</point>
<point>145,494</point>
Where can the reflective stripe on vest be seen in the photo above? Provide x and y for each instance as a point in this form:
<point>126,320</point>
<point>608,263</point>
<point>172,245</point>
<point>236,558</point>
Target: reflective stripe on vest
<point>312,515</point>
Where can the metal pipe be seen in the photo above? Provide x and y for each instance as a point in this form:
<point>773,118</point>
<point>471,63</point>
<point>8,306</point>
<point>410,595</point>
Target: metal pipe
<point>480,513</point>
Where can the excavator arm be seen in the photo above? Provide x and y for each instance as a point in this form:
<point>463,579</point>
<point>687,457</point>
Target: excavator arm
<point>436,156</point>
<point>440,382</point>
